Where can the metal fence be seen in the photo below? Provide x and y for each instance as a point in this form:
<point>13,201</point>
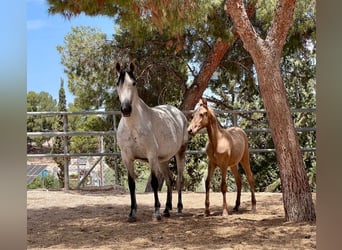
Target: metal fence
<point>115,114</point>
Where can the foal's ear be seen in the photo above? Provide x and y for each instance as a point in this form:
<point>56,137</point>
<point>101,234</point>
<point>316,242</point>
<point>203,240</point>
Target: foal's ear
<point>118,67</point>
<point>203,102</point>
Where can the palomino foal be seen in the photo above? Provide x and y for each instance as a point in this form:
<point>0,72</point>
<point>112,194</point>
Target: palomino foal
<point>226,148</point>
<point>153,135</point>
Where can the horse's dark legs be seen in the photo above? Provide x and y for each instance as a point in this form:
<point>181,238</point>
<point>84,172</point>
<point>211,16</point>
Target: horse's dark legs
<point>164,167</point>
<point>211,168</point>
<point>154,184</point>
<point>180,160</point>
<point>132,214</point>
<point>238,182</point>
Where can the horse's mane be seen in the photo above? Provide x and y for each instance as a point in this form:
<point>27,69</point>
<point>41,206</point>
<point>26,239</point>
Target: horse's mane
<point>212,113</point>
<point>122,75</point>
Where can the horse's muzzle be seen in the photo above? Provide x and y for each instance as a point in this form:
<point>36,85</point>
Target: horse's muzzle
<point>191,131</point>
<point>126,109</point>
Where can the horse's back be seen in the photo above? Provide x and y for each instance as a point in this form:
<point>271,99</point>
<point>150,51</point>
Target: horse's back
<point>170,116</point>
<point>236,133</point>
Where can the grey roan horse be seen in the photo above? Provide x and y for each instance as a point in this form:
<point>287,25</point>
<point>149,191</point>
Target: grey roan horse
<point>153,135</point>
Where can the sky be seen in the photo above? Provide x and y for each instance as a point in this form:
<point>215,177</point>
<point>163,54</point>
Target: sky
<point>44,33</point>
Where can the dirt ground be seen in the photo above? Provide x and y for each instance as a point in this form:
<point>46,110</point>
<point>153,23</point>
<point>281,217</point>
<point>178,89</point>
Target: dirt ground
<point>98,220</point>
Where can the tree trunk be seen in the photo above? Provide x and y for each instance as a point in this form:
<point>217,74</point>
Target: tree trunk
<point>296,190</point>
<point>266,54</point>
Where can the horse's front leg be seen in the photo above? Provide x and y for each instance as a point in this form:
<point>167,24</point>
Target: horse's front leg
<point>211,168</point>
<point>154,184</point>
<point>131,184</point>
<point>132,215</point>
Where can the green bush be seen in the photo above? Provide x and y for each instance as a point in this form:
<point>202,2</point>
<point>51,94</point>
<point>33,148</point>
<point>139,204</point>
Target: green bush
<point>48,182</point>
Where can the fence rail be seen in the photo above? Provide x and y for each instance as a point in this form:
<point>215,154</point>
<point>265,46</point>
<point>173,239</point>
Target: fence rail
<point>65,133</point>
<point>118,113</point>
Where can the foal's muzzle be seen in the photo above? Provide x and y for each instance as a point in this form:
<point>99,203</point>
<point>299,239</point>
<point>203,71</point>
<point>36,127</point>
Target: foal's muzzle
<point>126,109</point>
<point>191,131</point>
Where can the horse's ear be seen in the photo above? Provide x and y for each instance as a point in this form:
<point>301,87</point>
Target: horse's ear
<point>118,67</point>
<point>203,102</point>
<point>131,66</point>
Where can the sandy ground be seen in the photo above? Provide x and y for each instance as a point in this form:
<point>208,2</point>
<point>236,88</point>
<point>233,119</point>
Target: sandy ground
<point>98,220</point>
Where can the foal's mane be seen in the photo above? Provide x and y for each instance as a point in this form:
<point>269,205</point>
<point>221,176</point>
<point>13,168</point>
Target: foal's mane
<point>212,113</point>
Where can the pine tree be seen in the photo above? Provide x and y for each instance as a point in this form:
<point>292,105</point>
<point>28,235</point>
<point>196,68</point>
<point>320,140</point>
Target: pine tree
<point>59,141</point>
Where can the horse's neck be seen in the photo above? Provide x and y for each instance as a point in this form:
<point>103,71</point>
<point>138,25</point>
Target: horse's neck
<point>140,111</point>
<point>214,129</point>
<point>141,106</point>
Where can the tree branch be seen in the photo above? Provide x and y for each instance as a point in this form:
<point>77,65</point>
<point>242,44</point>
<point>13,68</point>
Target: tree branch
<point>282,20</point>
<point>251,40</point>
<point>276,35</point>
<point>209,66</point>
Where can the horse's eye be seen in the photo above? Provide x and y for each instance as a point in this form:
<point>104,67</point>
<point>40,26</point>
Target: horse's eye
<point>134,83</point>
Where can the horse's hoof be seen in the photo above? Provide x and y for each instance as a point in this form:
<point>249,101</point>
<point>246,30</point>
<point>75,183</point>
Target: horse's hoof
<point>180,210</point>
<point>236,209</point>
<point>131,219</point>
<point>206,213</point>
<point>225,214</point>
<point>156,216</point>
<point>166,213</point>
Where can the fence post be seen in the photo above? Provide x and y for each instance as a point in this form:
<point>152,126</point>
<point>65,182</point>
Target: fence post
<point>101,162</point>
<point>235,119</point>
<point>116,168</point>
<point>66,162</point>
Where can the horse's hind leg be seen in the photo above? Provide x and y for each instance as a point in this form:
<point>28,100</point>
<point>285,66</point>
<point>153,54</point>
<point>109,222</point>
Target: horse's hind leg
<point>180,160</point>
<point>250,178</point>
<point>238,182</point>
<point>224,190</point>
<point>164,168</point>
